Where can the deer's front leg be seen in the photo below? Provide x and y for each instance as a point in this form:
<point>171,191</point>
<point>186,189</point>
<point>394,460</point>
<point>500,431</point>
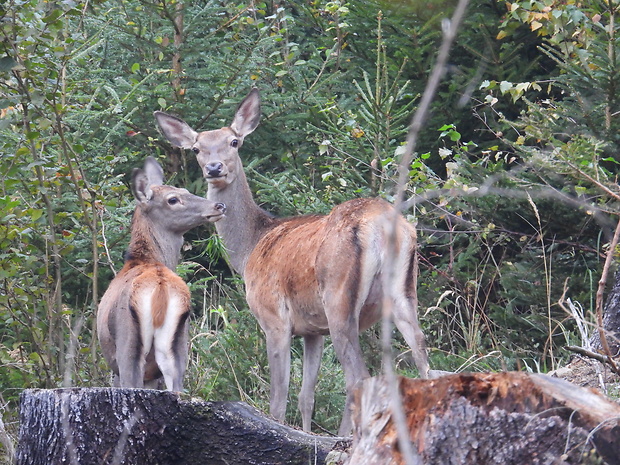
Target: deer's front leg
<point>313,352</point>
<point>278,338</point>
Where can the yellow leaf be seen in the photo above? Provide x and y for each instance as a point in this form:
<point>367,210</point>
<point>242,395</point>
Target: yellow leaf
<point>357,133</point>
<point>535,25</point>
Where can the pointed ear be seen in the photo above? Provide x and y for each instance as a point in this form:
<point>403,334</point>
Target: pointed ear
<point>154,171</point>
<point>142,179</point>
<point>248,114</point>
<point>140,185</point>
<point>176,130</point>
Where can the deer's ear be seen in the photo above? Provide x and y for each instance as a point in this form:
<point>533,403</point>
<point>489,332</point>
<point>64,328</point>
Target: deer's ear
<point>248,114</point>
<point>154,171</point>
<point>141,186</point>
<point>142,179</point>
<point>177,131</point>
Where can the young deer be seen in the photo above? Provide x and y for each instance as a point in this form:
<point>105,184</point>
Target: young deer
<point>305,276</point>
<point>142,318</point>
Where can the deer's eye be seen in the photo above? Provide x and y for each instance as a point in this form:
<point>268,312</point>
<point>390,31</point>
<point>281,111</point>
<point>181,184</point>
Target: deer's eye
<point>234,143</point>
<point>173,201</point>
<point>195,150</point>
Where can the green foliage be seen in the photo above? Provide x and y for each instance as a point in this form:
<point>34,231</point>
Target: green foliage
<point>521,244</point>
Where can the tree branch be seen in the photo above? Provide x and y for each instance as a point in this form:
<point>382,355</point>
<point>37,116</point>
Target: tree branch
<point>593,355</point>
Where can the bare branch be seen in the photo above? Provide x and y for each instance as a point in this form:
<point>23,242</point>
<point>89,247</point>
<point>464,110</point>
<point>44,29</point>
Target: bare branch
<point>593,355</point>
<point>450,27</point>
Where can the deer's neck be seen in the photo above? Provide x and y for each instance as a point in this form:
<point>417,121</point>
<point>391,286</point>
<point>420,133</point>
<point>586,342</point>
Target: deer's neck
<point>150,244</point>
<point>244,223</point>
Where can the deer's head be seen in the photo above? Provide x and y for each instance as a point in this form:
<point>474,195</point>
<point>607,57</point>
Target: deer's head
<point>170,208</point>
<point>217,151</point>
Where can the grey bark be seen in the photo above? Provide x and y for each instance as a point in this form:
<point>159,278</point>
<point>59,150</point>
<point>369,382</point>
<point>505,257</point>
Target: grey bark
<point>611,320</point>
<point>139,426</point>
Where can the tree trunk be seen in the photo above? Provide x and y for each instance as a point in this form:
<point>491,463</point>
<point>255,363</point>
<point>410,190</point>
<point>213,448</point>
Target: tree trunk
<point>479,419</point>
<point>611,320</point>
<point>138,426</point>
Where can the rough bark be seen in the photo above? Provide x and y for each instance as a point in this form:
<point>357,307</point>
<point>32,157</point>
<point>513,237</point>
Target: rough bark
<point>478,419</point>
<point>136,426</point>
<point>611,320</point>
<point>504,418</point>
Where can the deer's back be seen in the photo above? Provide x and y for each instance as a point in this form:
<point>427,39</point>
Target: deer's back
<point>300,260</point>
<point>144,296</point>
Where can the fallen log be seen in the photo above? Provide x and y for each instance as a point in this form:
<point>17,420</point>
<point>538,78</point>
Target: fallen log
<point>139,426</point>
<point>479,419</point>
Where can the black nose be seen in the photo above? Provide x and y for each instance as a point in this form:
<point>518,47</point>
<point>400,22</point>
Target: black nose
<point>221,207</point>
<point>214,169</point>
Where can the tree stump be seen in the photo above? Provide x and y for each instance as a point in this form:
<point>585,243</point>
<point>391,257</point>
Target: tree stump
<point>139,426</point>
<point>479,419</point>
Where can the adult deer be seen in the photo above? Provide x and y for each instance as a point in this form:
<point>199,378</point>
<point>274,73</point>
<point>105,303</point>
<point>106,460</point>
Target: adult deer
<point>142,318</point>
<point>305,276</point>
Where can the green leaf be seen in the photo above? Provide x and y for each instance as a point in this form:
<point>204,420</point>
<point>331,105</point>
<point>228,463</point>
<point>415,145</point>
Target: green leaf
<point>35,214</point>
<point>53,16</point>
<point>7,64</point>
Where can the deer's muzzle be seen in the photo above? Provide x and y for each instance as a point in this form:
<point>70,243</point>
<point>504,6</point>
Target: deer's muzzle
<point>213,169</point>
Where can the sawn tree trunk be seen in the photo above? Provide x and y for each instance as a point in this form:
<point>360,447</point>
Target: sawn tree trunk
<point>137,426</point>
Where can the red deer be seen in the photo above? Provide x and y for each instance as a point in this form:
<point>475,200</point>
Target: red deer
<point>305,276</point>
<point>142,318</point>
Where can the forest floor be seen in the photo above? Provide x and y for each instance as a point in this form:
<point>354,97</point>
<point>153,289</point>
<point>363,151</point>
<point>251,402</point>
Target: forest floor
<point>591,374</point>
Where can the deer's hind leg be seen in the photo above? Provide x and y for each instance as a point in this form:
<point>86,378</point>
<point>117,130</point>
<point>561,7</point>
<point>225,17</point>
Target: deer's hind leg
<point>343,300</point>
<point>346,271</point>
<point>406,308</point>
<point>406,320</point>
<point>313,352</point>
<point>171,349</point>
<point>132,345</point>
